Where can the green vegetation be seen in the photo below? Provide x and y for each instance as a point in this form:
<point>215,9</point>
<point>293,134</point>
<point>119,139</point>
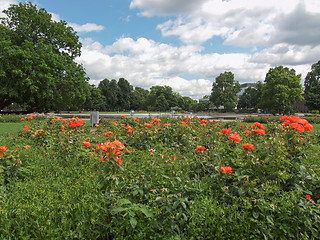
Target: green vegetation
<point>167,178</point>
<point>10,128</point>
<point>37,56</point>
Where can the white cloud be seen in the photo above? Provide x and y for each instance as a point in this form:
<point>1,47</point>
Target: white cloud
<point>166,7</point>
<point>146,63</point>
<point>88,27</point>
<point>5,4</point>
<point>244,23</point>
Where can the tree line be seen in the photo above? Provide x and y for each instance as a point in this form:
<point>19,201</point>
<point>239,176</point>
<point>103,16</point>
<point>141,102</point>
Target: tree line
<point>38,71</point>
<point>280,90</point>
<point>112,95</point>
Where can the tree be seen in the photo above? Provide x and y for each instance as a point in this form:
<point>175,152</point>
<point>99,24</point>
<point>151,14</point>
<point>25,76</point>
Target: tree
<point>251,97</point>
<point>110,90</point>
<point>139,99</point>
<point>125,94</point>
<point>224,91</point>
<point>161,93</point>
<point>96,101</point>
<point>312,87</point>
<point>37,61</point>
<point>281,88</point>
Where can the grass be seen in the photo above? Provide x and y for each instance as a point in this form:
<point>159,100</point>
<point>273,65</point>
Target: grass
<point>10,128</point>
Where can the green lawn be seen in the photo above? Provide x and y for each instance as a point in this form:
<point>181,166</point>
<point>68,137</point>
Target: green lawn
<point>10,127</point>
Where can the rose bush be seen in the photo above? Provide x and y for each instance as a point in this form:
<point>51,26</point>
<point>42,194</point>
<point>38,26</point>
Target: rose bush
<point>159,178</point>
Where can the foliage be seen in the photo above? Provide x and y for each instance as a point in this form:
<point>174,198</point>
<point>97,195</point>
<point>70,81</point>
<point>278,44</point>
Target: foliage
<point>37,61</point>
<point>312,87</point>
<point>224,91</point>
<point>251,97</point>
<point>281,88</point>
<point>178,178</point>
<point>120,95</point>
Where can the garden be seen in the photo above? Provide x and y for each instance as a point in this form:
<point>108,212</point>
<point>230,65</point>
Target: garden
<point>160,178</point>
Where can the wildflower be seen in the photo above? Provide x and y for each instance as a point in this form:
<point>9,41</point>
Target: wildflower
<point>26,128</point>
<point>284,118</point>
<point>22,119</point>
<point>107,134</point>
<point>147,125</point>
<point>242,126</point>
<point>226,169</point>
<point>308,127</point>
<point>258,131</point>
<point>200,148</point>
<point>3,150</point>
<point>27,147</point>
<point>257,125</point>
<point>246,132</point>
<point>298,127</point>
<point>86,144</point>
<point>235,137</point>
<point>184,123</point>
<point>73,124</point>
<point>308,197</point>
<point>247,146</point>
<point>226,131</point>
<point>174,157</point>
<point>123,116</point>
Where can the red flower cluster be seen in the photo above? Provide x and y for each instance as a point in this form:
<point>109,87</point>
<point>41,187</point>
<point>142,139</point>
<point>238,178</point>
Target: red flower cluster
<point>59,119</point>
<point>75,122</point>
<point>257,128</point>
<point>86,144</point>
<point>235,137</point>
<point>111,150</point>
<point>226,169</point>
<point>3,150</point>
<point>226,131</point>
<point>107,134</point>
<point>28,118</point>
<point>247,146</point>
<point>200,148</point>
<point>296,123</point>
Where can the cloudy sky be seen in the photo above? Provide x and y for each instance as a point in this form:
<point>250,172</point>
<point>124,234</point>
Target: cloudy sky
<point>186,44</point>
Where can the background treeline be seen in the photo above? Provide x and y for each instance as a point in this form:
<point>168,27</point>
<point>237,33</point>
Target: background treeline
<point>113,95</point>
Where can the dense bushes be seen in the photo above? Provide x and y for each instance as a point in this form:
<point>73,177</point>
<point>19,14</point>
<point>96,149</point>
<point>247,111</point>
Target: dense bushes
<point>163,178</point>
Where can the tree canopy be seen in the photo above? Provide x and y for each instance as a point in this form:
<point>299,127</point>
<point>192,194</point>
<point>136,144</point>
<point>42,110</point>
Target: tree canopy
<point>312,87</point>
<point>251,96</point>
<point>224,91</point>
<point>37,64</point>
<point>281,88</point>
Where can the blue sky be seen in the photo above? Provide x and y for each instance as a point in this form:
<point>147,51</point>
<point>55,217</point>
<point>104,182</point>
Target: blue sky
<point>186,44</point>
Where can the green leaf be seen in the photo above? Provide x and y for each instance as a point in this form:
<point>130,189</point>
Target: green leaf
<point>270,220</point>
<point>124,201</point>
<point>117,210</point>
<point>146,212</point>
<point>133,222</point>
<point>255,215</point>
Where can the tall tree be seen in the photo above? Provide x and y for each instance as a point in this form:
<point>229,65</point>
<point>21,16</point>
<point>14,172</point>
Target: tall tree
<point>96,101</point>
<point>37,64</point>
<point>139,99</point>
<point>125,94</point>
<point>312,87</point>
<point>251,97</point>
<point>224,91</point>
<point>281,88</point>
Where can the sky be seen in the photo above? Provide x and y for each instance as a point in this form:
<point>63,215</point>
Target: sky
<point>186,44</point>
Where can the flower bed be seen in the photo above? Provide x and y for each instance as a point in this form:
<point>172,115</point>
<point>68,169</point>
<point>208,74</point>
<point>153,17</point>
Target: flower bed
<point>159,179</point>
